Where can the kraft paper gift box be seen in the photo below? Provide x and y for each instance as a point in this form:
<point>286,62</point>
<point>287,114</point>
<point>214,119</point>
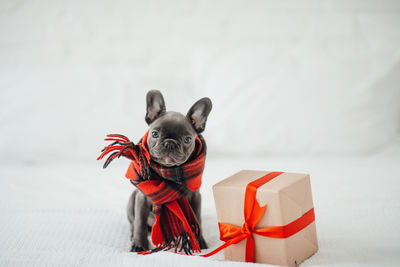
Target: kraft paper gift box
<point>289,202</point>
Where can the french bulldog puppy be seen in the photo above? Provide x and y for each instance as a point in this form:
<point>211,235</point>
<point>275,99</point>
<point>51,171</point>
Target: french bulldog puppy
<point>171,141</point>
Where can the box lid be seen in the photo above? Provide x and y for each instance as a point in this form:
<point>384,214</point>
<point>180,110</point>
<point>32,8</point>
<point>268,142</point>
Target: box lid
<point>288,197</point>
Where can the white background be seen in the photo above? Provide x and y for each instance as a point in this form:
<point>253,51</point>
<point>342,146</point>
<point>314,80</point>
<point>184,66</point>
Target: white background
<point>301,86</point>
<point>291,78</point>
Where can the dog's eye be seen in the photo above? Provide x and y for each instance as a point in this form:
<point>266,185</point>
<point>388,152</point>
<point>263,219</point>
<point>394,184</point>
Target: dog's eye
<point>188,139</point>
<point>154,134</point>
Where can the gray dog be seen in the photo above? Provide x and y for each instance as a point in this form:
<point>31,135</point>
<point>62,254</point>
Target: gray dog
<point>171,141</point>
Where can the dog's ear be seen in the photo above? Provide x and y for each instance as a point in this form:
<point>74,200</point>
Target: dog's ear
<point>198,114</point>
<point>155,106</point>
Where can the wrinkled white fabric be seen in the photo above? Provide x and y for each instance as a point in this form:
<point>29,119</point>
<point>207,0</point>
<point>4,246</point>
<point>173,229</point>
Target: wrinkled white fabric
<point>74,214</point>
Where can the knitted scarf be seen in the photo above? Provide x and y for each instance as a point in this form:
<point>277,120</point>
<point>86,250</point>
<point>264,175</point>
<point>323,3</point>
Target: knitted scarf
<point>176,224</point>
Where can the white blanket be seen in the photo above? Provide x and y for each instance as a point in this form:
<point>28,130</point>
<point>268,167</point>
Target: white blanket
<point>74,214</point>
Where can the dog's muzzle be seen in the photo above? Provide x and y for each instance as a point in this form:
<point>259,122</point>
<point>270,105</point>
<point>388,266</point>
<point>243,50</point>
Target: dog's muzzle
<point>170,144</point>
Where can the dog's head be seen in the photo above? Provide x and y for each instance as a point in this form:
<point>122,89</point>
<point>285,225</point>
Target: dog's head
<point>172,135</point>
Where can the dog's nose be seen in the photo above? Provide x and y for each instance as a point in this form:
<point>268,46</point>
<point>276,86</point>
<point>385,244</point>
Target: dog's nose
<point>169,145</point>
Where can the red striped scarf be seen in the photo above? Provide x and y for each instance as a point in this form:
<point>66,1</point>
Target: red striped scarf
<point>176,224</point>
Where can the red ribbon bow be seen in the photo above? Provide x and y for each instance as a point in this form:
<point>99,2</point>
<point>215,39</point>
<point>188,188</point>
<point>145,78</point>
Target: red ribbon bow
<point>232,234</point>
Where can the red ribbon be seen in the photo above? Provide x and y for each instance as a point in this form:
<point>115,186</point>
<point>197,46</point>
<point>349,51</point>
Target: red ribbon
<point>232,234</point>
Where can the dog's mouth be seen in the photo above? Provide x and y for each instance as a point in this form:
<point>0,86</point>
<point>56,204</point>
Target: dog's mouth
<point>167,158</point>
<point>169,162</point>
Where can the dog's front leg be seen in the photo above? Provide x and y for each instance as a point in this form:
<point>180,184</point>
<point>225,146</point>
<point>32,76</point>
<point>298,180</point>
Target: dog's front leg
<point>139,225</point>
<point>195,203</point>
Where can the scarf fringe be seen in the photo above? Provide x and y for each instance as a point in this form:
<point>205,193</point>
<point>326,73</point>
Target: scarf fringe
<point>179,244</point>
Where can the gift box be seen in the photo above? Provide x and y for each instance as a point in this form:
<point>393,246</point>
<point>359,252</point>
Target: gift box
<point>266,217</point>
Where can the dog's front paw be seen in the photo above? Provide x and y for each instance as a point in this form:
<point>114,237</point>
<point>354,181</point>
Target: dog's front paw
<point>139,245</point>
<point>202,243</point>
<point>138,248</point>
